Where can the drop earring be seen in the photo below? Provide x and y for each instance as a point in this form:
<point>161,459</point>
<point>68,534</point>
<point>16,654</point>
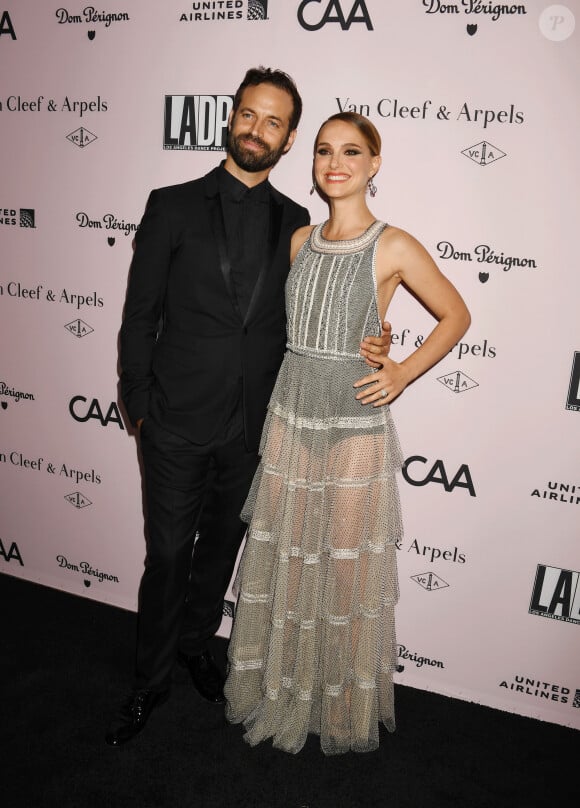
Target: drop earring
<point>372,187</point>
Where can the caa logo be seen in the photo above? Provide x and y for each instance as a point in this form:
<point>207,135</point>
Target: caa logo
<point>12,553</point>
<point>78,409</point>
<point>6,27</point>
<point>414,472</point>
<point>556,594</point>
<point>358,13</point>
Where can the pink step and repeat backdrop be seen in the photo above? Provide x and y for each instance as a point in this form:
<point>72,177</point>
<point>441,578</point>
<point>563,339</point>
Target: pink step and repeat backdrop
<point>477,104</point>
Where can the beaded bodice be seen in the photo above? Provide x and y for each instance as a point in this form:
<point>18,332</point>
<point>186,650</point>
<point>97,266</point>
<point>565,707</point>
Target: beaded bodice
<point>331,299</point>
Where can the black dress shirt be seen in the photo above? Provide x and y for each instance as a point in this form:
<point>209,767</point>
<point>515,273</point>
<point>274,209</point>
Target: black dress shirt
<point>246,214</point>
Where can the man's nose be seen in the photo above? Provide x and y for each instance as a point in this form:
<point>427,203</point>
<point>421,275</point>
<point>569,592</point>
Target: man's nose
<point>257,127</point>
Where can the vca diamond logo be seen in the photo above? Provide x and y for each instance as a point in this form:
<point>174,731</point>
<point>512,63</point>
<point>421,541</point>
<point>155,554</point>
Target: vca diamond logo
<point>483,153</point>
<point>78,328</point>
<point>258,9</point>
<point>78,500</point>
<point>457,382</point>
<point>81,137</point>
<point>429,581</point>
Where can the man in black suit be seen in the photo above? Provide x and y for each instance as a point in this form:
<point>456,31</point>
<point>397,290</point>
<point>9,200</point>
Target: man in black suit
<point>202,340</point>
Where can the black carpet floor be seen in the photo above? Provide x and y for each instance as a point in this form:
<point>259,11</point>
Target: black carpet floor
<point>65,666</point>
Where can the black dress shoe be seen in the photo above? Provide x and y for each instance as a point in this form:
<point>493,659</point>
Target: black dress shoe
<point>133,716</point>
<point>207,678</point>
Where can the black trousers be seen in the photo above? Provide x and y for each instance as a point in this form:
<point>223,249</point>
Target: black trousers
<point>182,589</point>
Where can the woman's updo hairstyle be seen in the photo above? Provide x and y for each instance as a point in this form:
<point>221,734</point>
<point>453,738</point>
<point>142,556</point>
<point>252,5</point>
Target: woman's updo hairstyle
<point>367,129</point>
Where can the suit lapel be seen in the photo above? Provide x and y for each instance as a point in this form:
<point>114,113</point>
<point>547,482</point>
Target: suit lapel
<point>216,216</point>
<point>276,210</point>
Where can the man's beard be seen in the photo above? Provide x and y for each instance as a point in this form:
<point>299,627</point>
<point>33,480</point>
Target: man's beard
<point>250,160</point>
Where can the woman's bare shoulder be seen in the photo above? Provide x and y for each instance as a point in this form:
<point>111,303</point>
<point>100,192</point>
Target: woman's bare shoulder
<point>396,236</point>
<point>394,241</point>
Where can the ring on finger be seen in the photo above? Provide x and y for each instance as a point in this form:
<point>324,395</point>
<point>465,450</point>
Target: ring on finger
<point>384,393</point>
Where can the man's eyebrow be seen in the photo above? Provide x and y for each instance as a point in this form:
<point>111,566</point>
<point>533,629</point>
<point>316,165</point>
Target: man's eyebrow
<point>273,117</point>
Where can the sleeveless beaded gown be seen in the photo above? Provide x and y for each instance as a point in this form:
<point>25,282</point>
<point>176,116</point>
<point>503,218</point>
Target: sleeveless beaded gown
<point>313,643</point>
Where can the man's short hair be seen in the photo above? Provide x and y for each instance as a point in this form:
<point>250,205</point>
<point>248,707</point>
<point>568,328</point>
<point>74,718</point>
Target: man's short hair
<point>279,79</point>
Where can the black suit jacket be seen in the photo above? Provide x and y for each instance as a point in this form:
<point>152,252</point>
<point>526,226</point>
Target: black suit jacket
<point>184,343</point>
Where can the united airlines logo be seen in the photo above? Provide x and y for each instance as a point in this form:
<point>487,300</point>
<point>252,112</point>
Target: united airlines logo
<point>225,10</point>
<point>23,217</point>
<point>198,122</point>
<point>27,217</point>
<point>258,9</point>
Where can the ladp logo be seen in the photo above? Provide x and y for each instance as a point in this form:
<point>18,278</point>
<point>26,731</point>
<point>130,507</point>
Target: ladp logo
<point>333,12</point>
<point>573,400</point>
<point>556,594</point>
<point>196,122</point>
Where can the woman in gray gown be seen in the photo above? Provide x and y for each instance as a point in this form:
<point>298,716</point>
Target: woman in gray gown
<point>313,644</point>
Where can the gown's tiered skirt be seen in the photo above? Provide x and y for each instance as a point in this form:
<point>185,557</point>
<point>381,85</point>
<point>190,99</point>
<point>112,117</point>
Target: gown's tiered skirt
<point>313,646</point>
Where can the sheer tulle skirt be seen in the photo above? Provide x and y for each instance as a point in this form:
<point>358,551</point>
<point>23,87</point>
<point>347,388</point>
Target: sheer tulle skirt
<point>313,646</point>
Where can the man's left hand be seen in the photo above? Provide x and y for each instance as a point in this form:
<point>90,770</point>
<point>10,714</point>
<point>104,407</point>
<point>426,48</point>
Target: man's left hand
<point>376,348</point>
